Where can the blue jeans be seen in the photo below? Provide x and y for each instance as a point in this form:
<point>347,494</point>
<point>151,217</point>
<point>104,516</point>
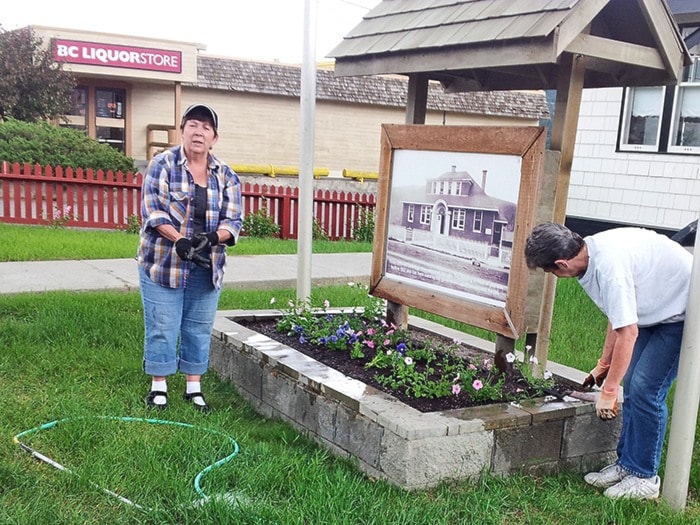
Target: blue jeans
<point>185,315</point>
<point>653,368</point>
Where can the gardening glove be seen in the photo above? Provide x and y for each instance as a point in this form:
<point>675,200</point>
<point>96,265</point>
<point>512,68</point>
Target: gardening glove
<point>204,241</point>
<point>597,375</point>
<point>606,405</point>
<point>187,252</point>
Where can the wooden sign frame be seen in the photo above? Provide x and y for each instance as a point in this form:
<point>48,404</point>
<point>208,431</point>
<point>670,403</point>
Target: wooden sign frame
<point>528,143</point>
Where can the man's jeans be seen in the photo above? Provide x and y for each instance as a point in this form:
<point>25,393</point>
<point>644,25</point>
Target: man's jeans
<point>653,368</point>
<point>186,314</point>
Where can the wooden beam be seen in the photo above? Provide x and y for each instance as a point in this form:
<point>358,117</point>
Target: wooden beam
<point>577,22</point>
<point>488,55</point>
<point>668,41</point>
<point>566,113</point>
<point>616,51</point>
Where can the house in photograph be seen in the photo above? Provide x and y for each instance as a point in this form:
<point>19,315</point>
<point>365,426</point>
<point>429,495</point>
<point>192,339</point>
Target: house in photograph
<point>456,214</point>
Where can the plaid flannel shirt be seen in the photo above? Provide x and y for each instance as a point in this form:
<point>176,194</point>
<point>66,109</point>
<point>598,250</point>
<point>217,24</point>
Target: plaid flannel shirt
<point>166,194</point>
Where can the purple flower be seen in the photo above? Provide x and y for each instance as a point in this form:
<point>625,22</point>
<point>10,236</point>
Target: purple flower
<point>401,348</point>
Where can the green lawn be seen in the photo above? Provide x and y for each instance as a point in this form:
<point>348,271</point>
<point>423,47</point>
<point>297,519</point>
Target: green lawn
<point>77,356</point>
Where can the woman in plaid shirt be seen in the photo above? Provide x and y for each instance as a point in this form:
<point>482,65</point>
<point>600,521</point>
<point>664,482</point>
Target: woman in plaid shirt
<point>190,210</point>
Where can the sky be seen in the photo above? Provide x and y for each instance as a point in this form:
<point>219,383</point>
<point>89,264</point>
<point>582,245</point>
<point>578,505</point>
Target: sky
<point>266,30</point>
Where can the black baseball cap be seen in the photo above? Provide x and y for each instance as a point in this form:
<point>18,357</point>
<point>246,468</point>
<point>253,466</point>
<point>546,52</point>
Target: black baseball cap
<point>197,111</point>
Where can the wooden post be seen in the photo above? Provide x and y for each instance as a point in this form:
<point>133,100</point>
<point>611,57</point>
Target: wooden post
<point>566,113</point>
<point>416,108</point>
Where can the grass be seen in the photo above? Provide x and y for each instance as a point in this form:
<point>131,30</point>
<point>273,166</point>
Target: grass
<point>41,243</point>
<point>78,356</point>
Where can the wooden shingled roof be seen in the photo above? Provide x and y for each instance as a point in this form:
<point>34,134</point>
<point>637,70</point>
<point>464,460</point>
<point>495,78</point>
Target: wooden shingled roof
<point>515,44</point>
<point>285,80</point>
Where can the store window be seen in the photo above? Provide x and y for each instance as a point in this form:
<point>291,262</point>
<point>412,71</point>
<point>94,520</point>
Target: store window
<point>663,119</point>
<point>101,113</point>
<point>77,117</point>
<point>110,121</point>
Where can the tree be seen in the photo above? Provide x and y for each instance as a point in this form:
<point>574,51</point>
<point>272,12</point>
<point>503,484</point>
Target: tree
<point>33,86</point>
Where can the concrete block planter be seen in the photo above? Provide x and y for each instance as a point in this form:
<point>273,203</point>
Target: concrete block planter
<point>392,441</point>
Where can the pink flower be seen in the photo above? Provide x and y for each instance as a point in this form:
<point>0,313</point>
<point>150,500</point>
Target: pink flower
<point>369,343</point>
<point>371,331</point>
<point>387,342</point>
<point>456,389</point>
<point>477,385</point>
<point>472,367</point>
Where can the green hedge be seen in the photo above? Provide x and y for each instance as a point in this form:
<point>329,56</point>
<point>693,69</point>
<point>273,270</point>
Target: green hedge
<point>46,144</point>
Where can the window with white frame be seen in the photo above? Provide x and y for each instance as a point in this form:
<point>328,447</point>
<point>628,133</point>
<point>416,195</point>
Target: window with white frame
<point>641,124</point>
<point>411,212</point>
<point>663,119</point>
<point>685,123</point>
<point>425,212</point>
<point>478,220</point>
<point>458,219</point>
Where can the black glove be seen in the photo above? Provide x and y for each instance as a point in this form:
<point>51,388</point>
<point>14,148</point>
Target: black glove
<point>204,241</point>
<point>187,252</point>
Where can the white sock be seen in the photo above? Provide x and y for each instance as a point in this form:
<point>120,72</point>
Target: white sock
<point>159,386</point>
<point>191,388</point>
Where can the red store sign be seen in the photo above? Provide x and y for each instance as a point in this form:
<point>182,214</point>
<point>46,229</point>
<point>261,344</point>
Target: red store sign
<point>96,54</point>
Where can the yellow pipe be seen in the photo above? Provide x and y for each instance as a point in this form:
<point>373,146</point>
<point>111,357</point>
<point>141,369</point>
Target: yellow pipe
<point>273,171</point>
<point>360,175</point>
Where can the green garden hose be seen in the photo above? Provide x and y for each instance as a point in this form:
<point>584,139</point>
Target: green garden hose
<point>55,464</point>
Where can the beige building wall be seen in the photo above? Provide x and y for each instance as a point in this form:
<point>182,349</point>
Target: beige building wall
<point>265,129</point>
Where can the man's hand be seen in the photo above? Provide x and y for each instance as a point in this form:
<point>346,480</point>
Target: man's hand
<point>187,252</point>
<point>606,405</point>
<point>597,375</point>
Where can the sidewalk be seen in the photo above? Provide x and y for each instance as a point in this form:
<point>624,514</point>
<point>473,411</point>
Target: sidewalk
<point>242,271</point>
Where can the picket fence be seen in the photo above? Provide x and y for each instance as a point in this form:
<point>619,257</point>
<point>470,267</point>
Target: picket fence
<point>34,194</point>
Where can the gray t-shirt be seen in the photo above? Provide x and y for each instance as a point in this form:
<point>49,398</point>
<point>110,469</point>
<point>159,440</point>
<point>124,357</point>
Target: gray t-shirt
<point>638,276</point>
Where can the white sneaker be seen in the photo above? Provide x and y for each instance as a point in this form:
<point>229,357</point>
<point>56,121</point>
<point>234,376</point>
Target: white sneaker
<point>609,476</point>
<point>633,487</point>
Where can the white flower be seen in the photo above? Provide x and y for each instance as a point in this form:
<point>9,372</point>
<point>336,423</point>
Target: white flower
<point>533,360</point>
<point>510,357</point>
<point>547,374</point>
<point>273,300</point>
<point>326,303</point>
<point>408,360</point>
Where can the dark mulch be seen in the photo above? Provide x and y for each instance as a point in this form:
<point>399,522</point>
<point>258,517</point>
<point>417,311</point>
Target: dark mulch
<point>514,385</point>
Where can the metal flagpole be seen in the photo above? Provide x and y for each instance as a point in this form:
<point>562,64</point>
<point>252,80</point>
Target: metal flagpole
<point>686,398</point>
<point>306,171</point>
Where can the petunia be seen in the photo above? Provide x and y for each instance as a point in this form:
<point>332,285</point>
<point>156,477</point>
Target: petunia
<point>477,385</point>
<point>456,389</point>
<point>408,360</point>
<point>510,357</point>
<point>326,304</point>
<point>547,374</point>
<point>369,343</point>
